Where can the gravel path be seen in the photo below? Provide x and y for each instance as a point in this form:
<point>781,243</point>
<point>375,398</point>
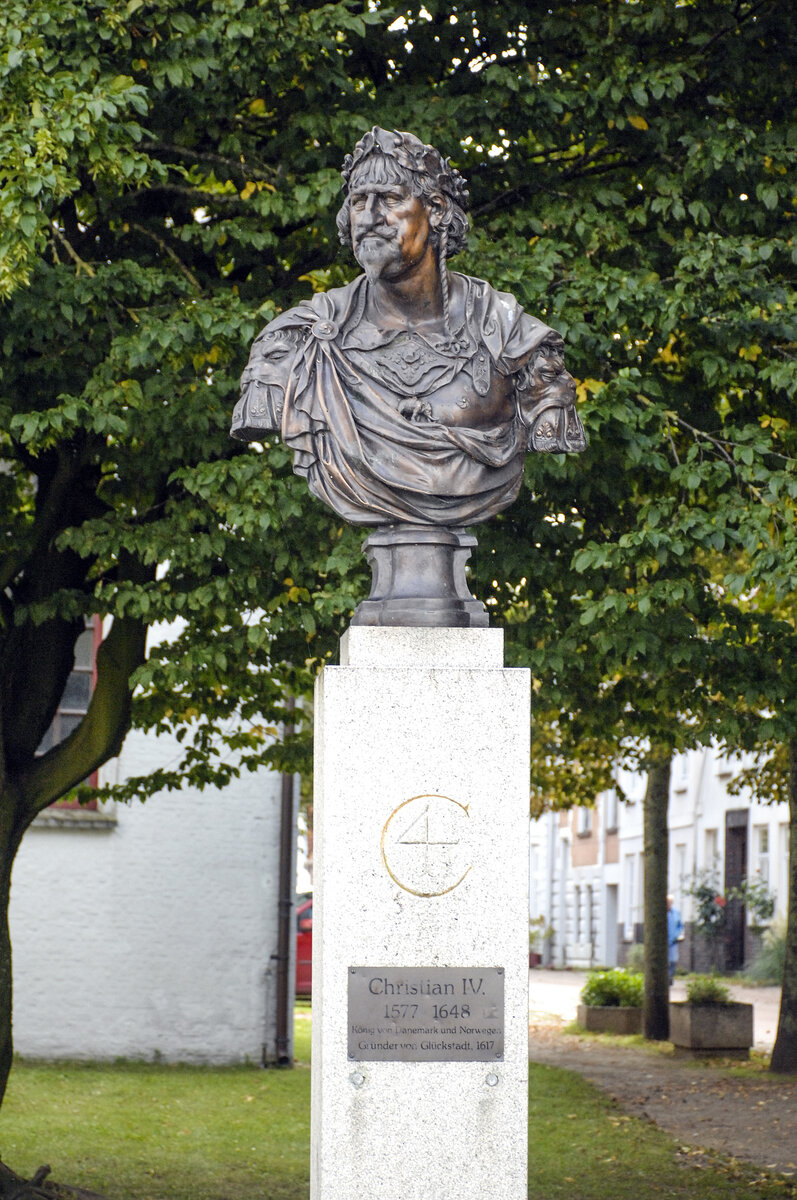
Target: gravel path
<point>751,1116</point>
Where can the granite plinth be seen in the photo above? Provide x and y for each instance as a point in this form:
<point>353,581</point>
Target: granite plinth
<point>473,649</point>
<point>421,861</point>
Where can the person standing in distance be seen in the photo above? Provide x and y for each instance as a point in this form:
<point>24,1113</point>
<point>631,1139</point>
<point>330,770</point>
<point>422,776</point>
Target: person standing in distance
<point>675,932</point>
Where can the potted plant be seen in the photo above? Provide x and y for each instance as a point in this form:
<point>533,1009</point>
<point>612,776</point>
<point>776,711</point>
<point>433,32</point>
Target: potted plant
<point>537,932</point>
<point>611,1002</point>
<point>759,904</point>
<point>709,1023</point>
<point>758,900</point>
<point>710,914</point>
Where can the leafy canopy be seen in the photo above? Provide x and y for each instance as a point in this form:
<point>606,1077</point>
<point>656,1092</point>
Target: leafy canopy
<point>170,182</point>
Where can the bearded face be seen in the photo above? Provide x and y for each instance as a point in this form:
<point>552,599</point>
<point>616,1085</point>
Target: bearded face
<point>390,227</point>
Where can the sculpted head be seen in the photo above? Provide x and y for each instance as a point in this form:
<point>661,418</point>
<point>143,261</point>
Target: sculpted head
<point>400,164</point>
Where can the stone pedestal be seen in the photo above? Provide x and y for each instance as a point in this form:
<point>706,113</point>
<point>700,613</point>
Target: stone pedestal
<point>421,901</point>
<point>418,579</point>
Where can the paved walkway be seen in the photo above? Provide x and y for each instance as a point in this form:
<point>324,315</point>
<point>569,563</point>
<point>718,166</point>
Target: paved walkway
<point>746,1115</point>
<point>554,997</point>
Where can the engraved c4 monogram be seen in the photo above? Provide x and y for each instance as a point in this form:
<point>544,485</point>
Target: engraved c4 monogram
<point>426,845</point>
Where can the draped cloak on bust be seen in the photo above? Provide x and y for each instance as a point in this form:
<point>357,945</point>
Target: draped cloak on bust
<point>338,410</point>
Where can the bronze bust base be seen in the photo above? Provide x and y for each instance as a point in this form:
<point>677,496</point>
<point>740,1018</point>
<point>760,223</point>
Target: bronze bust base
<point>419,579</point>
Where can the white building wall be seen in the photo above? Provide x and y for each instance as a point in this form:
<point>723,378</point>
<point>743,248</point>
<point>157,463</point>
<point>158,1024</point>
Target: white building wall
<point>684,819</point>
<point>585,894</point>
<point>631,879</point>
<point>697,817</point>
<point>699,802</point>
<point>607,915</point>
<point>153,937</point>
<point>543,878</point>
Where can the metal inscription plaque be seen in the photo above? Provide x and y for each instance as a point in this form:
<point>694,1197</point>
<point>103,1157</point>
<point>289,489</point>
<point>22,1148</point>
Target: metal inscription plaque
<point>426,1014</point>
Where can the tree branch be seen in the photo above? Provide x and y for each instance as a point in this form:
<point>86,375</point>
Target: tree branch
<point>740,20</point>
<point>72,252</point>
<point>52,495</point>
<point>166,248</point>
<point>244,169</point>
<point>591,164</point>
<point>100,734</point>
<point>196,193</point>
<point>82,265</point>
<point>720,444</point>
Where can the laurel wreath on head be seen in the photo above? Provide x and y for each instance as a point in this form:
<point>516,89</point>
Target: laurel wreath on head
<point>410,152</point>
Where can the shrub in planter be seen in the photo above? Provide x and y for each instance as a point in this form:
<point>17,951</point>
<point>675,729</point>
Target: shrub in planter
<point>612,1002</point>
<point>708,1022</point>
<point>707,989</point>
<point>537,932</point>
<point>757,899</point>
<point>711,913</point>
<point>613,989</point>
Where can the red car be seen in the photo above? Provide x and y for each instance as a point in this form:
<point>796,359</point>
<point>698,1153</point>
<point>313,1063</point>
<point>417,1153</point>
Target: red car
<point>304,948</point>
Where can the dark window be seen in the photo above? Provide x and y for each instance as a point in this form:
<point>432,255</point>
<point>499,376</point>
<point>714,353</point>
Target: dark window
<point>75,700</point>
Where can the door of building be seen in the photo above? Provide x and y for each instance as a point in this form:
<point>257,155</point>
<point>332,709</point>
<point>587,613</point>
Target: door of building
<point>735,873</point>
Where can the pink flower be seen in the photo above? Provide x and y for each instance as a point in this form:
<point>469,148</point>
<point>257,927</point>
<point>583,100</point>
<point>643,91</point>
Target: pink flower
<point>720,901</point>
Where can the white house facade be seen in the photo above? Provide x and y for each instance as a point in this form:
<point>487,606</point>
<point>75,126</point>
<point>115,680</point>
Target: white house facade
<point>151,930</point>
<point>586,868</point>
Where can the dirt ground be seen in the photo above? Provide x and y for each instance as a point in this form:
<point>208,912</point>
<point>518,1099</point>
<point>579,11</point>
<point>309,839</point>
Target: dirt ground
<point>750,1116</point>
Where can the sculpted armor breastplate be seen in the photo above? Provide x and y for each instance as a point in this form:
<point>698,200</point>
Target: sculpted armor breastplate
<point>452,380</point>
<point>416,424</point>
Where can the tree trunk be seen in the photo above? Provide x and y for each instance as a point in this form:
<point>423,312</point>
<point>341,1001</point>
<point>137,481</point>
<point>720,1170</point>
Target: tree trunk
<point>655,1009</point>
<point>29,786</point>
<point>9,844</point>
<point>784,1053</point>
<point>6,1039</point>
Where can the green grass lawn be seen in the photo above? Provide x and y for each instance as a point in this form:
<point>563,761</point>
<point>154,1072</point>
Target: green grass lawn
<point>152,1132</point>
<point>157,1133</point>
<point>582,1145</point>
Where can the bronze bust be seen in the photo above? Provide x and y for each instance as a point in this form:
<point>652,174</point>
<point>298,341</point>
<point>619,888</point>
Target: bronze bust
<point>411,396</point>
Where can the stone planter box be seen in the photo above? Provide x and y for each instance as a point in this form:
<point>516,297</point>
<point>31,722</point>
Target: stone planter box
<point>702,1030</point>
<point>611,1019</point>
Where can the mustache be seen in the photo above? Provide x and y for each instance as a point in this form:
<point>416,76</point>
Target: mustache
<point>386,233</point>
